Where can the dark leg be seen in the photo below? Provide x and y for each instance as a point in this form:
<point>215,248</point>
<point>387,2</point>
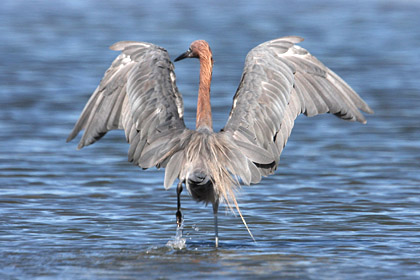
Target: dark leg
<point>216,230</point>
<point>178,212</point>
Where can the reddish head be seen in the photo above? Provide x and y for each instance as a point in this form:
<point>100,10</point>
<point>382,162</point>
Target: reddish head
<point>198,49</point>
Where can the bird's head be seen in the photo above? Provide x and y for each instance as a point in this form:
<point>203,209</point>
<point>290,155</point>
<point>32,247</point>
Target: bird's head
<point>198,49</point>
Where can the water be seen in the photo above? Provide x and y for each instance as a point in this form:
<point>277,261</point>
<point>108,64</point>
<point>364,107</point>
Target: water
<point>344,203</point>
<point>177,242</point>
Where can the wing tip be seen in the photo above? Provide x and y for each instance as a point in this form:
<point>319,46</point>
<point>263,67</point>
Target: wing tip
<point>71,137</point>
<point>292,38</point>
<point>368,110</point>
<point>79,146</point>
<point>82,142</point>
<point>121,45</point>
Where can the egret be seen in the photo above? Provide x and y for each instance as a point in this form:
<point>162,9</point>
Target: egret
<point>280,80</point>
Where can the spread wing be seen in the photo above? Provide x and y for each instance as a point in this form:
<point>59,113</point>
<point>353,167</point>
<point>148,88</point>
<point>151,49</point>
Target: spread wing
<point>280,81</point>
<point>137,94</point>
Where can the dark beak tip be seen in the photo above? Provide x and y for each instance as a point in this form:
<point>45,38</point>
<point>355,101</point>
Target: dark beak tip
<point>182,56</point>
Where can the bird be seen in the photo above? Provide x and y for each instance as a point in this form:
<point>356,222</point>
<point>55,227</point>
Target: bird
<point>280,81</point>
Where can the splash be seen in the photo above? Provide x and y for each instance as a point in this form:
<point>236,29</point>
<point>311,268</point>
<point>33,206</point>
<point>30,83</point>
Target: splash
<point>177,242</point>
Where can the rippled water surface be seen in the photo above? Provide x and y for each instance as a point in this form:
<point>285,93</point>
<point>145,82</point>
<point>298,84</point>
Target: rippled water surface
<point>344,203</point>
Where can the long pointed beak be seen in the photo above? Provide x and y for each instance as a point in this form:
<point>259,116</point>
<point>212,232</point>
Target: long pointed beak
<point>186,54</point>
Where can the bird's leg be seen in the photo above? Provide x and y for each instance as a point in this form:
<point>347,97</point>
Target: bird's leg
<point>216,230</point>
<point>178,212</point>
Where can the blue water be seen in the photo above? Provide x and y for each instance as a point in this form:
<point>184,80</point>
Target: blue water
<point>344,203</point>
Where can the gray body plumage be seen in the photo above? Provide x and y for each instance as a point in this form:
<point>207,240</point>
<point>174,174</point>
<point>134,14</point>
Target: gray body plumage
<point>280,81</point>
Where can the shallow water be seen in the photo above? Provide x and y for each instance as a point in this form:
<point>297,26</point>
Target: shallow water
<point>344,203</point>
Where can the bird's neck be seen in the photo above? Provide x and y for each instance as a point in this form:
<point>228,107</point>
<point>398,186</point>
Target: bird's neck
<point>204,119</point>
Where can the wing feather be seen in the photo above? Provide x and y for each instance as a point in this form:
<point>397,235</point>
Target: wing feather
<point>137,94</point>
<point>280,81</point>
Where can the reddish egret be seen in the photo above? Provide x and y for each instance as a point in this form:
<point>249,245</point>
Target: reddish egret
<point>280,81</point>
